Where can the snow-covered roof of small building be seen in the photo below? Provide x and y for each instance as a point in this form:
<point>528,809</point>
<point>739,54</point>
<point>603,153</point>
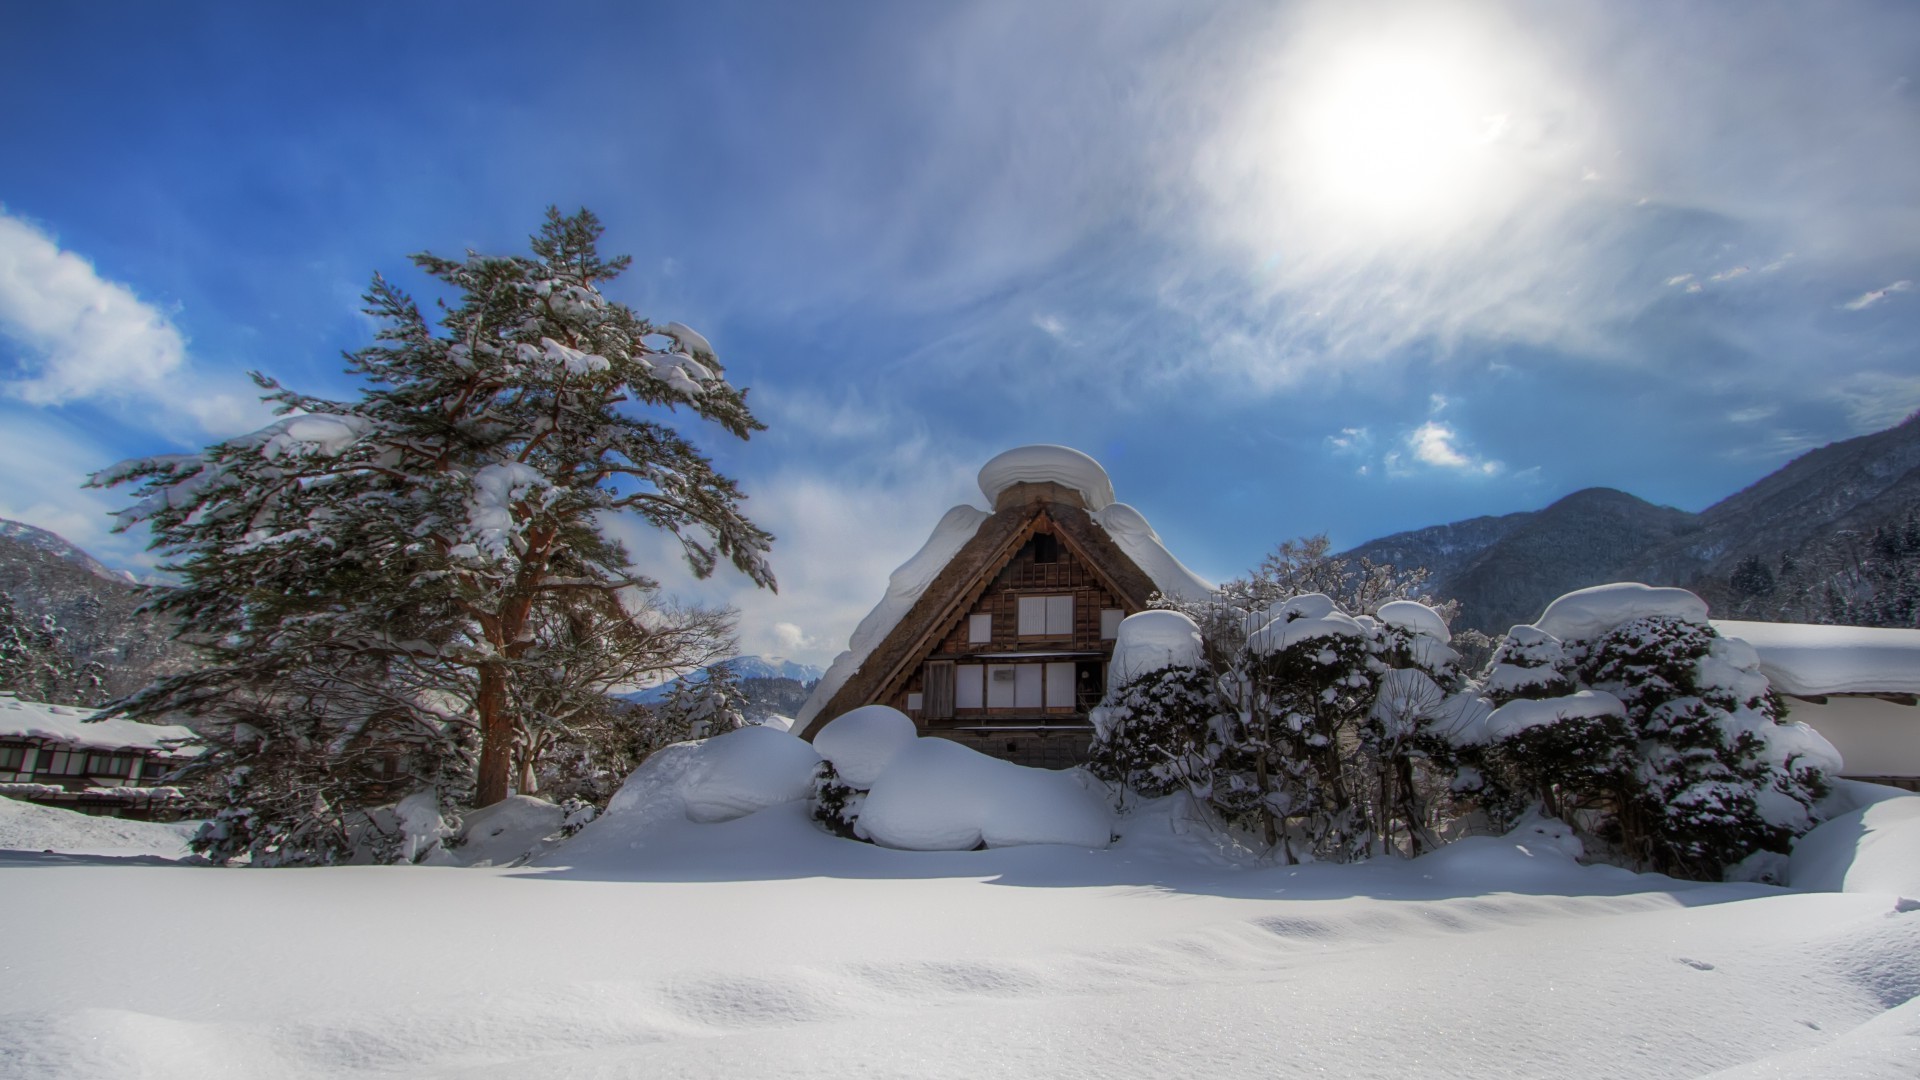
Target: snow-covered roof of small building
<point>1812,661</point>
<point>1585,614</point>
<point>1046,463</point>
<point>69,726</point>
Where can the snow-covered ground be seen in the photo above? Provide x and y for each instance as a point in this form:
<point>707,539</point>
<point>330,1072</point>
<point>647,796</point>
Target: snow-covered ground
<point>652,946</point>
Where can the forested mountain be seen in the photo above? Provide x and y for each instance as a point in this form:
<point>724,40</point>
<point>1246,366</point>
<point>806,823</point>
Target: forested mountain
<point>1833,536</point>
<point>71,631</point>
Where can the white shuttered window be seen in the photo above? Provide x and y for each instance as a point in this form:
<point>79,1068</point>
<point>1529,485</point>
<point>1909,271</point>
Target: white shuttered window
<point>1059,686</point>
<point>1046,616</point>
<point>1026,686</point>
<point>967,690</point>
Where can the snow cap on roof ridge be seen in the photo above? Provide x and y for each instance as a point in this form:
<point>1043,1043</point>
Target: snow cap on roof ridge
<point>1047,463</point>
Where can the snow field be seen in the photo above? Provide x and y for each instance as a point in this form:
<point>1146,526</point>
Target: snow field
<point>763,947</point>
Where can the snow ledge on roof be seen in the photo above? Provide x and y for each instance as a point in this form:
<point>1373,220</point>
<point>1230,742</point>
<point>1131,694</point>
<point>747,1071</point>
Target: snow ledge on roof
<point>72,726</point>
<point>1806,660</point>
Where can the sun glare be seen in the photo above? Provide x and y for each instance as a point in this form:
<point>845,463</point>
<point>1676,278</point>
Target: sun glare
<point>1393,133</point>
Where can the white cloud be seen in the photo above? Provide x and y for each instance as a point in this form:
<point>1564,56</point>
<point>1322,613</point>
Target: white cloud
<point>84,337</point>
<point>1051,325</point>
<point>1749,415</point>
<point>1350,440</point>
<point>1868,299</point>
<point>839,535</point>
<point>1434,443</point>
<point>80,338</point>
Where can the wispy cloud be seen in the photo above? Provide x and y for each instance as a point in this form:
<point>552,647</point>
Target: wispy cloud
<point>1873,296</point>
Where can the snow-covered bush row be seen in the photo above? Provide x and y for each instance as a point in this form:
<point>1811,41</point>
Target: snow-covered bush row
<point>1334,734</point>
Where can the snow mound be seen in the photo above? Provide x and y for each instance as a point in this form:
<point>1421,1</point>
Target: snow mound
<point>1414,618</point>
<point>1150,641</point>
<point>500,834</point>
<point>72,726</point>
<point>937,795</point>
<point>745,770</point>
<point>1588,613</point>
<point>1813,661</point>
<point>861,742</point>
<point>27,826</point>
<point>1875,848</point>
<point>904,588</point>
<point>1047,463</point>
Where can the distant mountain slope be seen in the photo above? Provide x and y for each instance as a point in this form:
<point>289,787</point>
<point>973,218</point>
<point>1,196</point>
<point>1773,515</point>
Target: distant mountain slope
<point>1851,486</point>
<point>56,545</point>
<point>1443,549</point>
<point>1587,538</point>
<point>61,611</point>
<point>1812,525</point>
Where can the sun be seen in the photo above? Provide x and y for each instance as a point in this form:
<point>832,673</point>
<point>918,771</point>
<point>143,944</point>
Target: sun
<point>1395,132</point>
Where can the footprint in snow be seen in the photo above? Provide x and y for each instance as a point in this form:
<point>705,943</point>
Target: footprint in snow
<point>1697,965</point>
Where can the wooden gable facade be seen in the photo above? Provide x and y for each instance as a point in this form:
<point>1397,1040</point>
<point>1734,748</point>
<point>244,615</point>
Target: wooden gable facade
<point>1006,650</point>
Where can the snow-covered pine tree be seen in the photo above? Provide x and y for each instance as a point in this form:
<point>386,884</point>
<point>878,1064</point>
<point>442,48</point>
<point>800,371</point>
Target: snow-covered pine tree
<point>428,525</point>
<point>700,708</point>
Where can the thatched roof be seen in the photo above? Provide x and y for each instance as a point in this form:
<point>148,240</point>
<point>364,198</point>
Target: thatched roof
<point>1019,513</point>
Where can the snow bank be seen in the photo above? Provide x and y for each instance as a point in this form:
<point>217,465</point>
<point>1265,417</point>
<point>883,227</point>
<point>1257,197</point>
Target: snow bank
<point>1875,848</point>
<point>860,743</point>
<point>937,795</point>
<point>1414,618</point>
<point>1813,661</point>
<point>904,588</point>
<point>749,769</point>
<point>1150,641</point>
<point>1588,613</point>
<point>72,726</point>
<point>1129,529</point>
<point>500,834</point>
<point>1047,463</point>
<point>29,827</point>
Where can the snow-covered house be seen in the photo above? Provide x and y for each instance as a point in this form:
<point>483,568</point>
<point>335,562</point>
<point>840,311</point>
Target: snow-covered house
<point>1858,686</point>
<point>56,755</point>
<point>998,632</point>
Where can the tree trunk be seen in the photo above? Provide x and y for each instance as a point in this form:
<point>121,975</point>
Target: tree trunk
<point>496,737</point>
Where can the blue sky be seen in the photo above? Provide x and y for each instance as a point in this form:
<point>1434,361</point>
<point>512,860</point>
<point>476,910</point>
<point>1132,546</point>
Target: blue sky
<point>1282,268</point>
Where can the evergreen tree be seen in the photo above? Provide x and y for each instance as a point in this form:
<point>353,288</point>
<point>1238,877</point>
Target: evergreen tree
<point>420,543</point>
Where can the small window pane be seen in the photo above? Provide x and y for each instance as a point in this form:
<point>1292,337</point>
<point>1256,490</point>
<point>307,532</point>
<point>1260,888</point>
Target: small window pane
<point>967,693</point>
<point>1059,686</point>
<point>1110,623</point>
<point>1033,616</point>
<point>1027,686</point>
<point>979,628</point>
<point>913,702</point>
<point>1000,686</point>
<point>1059,615</point>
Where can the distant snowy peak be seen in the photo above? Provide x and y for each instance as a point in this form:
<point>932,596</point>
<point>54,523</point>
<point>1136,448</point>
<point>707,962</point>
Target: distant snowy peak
<point>58,546</point>
<point>745,667</point>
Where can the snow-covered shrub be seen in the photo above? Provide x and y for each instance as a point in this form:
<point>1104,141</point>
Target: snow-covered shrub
<point>1159,733</point>
<point>1622,711</point>
<point>857,746</point>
